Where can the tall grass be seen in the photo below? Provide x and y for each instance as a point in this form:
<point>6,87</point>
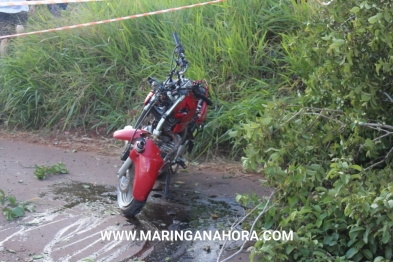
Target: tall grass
<point>93,76</point>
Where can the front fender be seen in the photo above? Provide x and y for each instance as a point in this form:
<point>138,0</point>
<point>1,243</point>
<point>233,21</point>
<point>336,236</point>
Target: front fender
<point>147,166</point>
<point>127,133</point>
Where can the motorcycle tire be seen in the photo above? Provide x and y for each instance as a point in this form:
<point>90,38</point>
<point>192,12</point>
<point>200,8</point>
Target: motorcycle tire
<point>125,200</point>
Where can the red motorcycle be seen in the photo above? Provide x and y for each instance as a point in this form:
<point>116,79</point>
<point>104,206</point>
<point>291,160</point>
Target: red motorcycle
<point>174,111</point>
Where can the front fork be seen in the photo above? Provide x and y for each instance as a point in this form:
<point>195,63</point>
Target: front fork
<point>123,169</point>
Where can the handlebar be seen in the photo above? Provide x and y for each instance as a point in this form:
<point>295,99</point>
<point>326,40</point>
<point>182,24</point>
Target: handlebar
<point>162,88</point>
<point>179,48</point>
<point>182,62</point>
<point>177,41</point>
<point>203,97</point>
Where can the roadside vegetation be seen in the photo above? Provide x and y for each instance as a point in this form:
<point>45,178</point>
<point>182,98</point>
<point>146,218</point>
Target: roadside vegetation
<point>304,91</point>
<point>41,172</point>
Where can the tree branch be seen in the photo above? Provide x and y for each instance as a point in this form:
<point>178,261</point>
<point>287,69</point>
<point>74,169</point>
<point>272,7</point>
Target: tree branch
<point>378,129</point>
<point>326,117</point>
<point>380,162</point>
<point>376,125</point>
<point>292,117</point>
<point>387,134</point>
<point>388,96</point>
<point>323,109</point>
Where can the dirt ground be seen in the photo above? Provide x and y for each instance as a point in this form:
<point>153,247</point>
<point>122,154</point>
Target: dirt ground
<point>72,209</point>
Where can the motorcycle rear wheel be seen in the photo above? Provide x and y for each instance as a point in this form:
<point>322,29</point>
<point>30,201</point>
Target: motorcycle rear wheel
<point>125,200</point>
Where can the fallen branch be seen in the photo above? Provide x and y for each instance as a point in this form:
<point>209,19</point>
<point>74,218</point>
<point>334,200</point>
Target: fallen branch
<point>315,111</point>
<point>379,127</point>
<point>265,209</point>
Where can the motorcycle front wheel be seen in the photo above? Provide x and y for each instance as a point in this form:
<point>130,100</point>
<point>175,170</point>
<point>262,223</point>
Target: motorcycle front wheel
<point>127,203</point>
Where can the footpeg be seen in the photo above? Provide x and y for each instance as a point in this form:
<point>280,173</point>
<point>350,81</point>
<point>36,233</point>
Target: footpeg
<point>182,163</point>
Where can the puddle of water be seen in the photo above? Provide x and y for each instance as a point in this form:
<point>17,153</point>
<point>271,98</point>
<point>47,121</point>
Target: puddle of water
<point>84,192</point>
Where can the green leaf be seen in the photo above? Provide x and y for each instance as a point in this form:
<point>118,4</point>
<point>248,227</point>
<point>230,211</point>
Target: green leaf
<point>238,197</point>
<point>233,133</point>
<point>366,97</point>
<point>367,253</point>
<point>365,235</point>
<point>319,254</point>
<point>275,156</point>
<point>306,136</point>
<point>292,201</point>
<point>289,249</point>
<point>351,252</point>
<point>320,189</point>
<point>345,178</point>
<point>355,176</point>
<point>8,213</point>
<point>311,172</point>
<point>12,200</point>
<point>30,208</point>
<point>266,121</point>
<point>355,10</point>
<point>338,42</point>
<point>18,211</point>
<point>388,253</point>
<point>358,168</point>
<point>87,259</point>
<point>315,167</point>
<point>375,18</point>
<point>385,237</point>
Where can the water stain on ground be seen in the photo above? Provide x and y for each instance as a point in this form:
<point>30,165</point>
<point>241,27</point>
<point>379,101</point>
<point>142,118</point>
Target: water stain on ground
<point>179,213</point>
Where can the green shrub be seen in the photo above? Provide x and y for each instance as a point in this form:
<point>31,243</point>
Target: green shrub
<point>328,149</point>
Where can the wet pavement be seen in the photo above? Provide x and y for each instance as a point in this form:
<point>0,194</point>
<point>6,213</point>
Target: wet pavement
<point>72,210</point>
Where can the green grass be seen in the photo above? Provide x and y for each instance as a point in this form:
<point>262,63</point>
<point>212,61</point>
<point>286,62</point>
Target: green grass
<point>93,76</point>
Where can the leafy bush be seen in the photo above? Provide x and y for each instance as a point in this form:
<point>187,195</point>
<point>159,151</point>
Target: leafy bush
<point>328,149</point>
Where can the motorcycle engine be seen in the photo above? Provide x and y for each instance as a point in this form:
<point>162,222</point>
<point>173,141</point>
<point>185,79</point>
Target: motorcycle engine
<point>165,144</point>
